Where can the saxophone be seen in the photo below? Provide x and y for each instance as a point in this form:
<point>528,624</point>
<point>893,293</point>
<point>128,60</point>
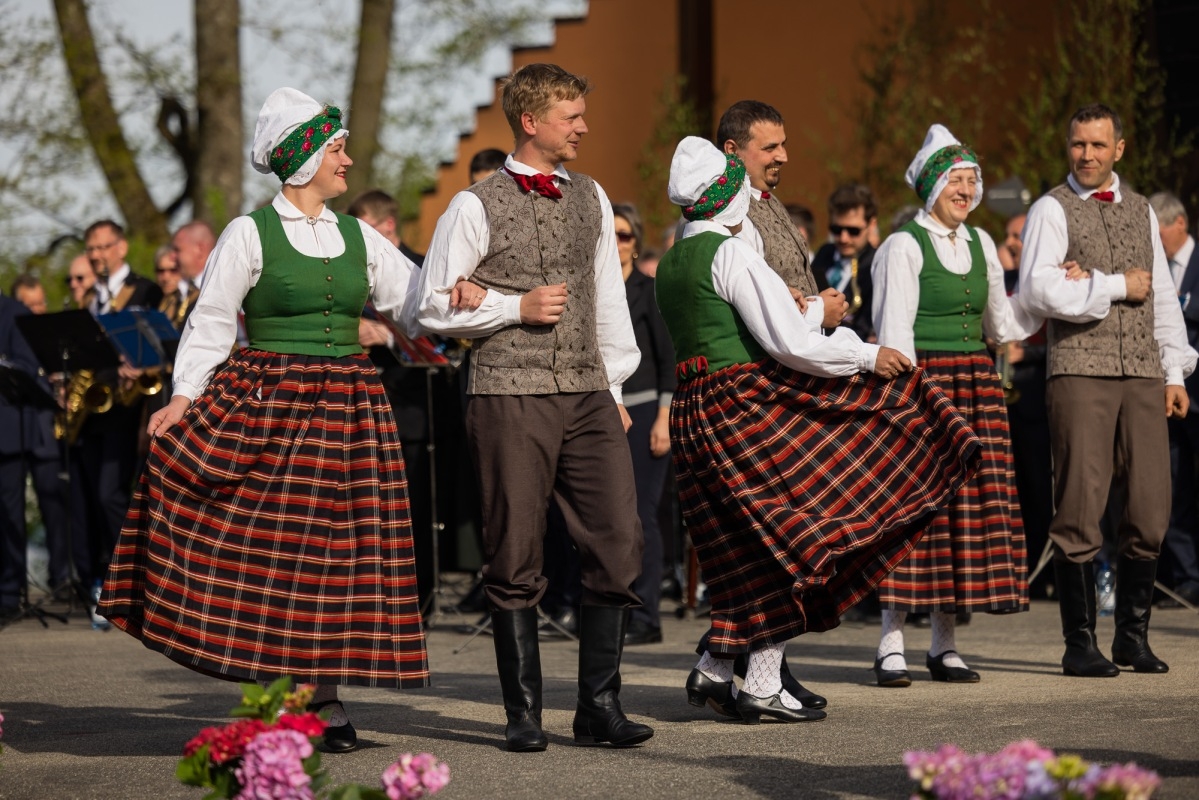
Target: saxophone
<point>85,396</point>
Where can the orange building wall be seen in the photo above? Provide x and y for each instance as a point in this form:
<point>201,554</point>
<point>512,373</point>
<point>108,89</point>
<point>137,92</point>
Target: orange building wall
<point>800,56</point>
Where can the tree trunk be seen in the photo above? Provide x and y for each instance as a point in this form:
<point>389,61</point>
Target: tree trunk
<point>219,157</point>
<point>366,97</point>
<point>99,119</point>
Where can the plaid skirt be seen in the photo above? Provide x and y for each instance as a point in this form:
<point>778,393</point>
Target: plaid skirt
<point>270,532</point>
<point>801,493</point>
<point>972,556</point>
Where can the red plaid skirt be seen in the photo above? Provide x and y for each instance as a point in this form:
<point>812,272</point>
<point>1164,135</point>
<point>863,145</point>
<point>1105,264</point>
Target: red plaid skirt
<point>270,532</point>
<point>972,556</point>
<point>801,493</point>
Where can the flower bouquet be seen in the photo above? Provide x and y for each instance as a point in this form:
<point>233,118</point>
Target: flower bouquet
<point>1023,771</point>
<point>270,752</point>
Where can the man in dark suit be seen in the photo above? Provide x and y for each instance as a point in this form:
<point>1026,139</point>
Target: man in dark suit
<point>106,462</point>
<point>1180,550</point>
<point>26,444</point>
<point>844,263</point>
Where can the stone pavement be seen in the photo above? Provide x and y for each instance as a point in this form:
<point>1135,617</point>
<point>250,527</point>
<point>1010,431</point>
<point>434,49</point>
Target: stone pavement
<point>96,715</point>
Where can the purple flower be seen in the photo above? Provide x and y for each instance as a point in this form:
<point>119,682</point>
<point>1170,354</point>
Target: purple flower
<point>415,776</point>
<point>272,767</point>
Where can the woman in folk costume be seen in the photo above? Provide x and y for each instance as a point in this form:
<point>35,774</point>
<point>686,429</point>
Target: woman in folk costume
<point>270,532</point>
<point>804,478</point>
<point>938,290</point>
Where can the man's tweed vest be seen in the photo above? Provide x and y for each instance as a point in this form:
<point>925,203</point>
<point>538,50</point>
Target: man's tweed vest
<point>536,241</point>
<point>785,250</point>
<point>1111,238</point>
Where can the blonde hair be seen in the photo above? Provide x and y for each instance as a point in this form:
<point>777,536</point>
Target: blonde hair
<point>534,88</point>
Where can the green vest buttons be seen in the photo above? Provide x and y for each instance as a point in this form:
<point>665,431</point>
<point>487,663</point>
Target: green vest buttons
<point>326,260</point>
<point>328,277</point>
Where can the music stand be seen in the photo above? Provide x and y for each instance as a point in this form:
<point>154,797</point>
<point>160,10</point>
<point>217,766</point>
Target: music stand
<point>144,336</point>
<point>22,391</point>
<point>66,342</point>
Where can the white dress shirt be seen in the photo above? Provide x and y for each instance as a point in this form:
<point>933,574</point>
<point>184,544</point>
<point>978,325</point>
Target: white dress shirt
<point>896,273</point>
<point>235,265</point>
<point>814,315</point>
<point>1044,290</point>
<point>460,243</point>
<point>107,291</point>
<point>1178,264</point>
<point>745,281</point>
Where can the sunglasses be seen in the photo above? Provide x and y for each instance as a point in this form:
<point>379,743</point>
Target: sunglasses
<point>161,270</point>
<point>852,230</point>
<point>624,237</point>
<point>76,279</point>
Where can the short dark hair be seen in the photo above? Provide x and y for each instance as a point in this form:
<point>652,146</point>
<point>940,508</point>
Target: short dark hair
<point>375,203</point>
<point>801,216</point>
<point>1097,111</point>
<point>24,281</point>
<point>848,196</point>
<point>115,227</point>
<point>628,212</point>
<point>736,121</point>
<point>488,160</point>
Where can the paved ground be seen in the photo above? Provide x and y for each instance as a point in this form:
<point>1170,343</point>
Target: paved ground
<point>92,715</point>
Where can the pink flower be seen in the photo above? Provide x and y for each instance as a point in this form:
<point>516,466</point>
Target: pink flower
<point>703,200</point>
<point>415,776</point>
<point>306,146</point>
<point>722,180</point>
<point>273,767</point>
<point>719,204</point>
<point>689,209</point>
<point>328,126</point>
<point>308,133</point>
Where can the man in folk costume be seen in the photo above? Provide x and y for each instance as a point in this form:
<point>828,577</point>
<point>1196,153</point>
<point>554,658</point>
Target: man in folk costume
<point>802,481</point>
<point>754,132</point>
<point>1113,383</point>
<point>554,345</point>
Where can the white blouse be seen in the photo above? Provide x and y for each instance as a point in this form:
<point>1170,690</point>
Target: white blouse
<point>235,265</point>
<point>743,280</point>
<point>896,274</point>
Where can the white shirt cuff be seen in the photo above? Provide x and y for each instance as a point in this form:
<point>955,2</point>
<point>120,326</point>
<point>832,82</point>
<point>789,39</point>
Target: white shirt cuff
<point>1115,286</point>
<point>869,357</point>
<point>1174,377</point>
<point>512,309</point>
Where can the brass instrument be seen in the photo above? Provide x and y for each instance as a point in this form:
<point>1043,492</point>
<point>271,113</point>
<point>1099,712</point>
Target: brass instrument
<point>1003,365</point>
<point>84,396</point>
<point>855,300</point>
<point>148,384</point>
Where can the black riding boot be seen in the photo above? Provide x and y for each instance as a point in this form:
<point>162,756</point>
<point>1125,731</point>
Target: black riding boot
<point>1134,601</point>
<point>598,718</point>
<point>1076,596</point>
<point>518,658</point>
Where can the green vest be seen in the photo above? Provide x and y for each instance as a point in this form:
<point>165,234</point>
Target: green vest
<point>304,305</point>
<point>702,325</point>
<point>950,315</point>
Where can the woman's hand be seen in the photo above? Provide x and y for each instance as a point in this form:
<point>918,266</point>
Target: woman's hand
<point>659,434</point>
<point>166,417</point>
<point>466,296</point>
<point>891,363</point>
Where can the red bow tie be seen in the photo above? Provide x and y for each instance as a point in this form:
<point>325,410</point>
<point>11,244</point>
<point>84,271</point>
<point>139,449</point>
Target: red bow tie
<point>1106,197</point>
<point>765,195</point>
<point>542,184</point>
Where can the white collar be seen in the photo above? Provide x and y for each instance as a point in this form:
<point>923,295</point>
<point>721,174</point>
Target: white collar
<point>1183,256</point>
<point>287,210</point>
<point>520,168</point>
<point>1085,194</point>
<point>704,226</point>
<point>929,223</point>
<point>117,279</point>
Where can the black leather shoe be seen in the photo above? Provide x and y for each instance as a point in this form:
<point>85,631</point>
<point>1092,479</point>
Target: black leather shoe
<point>940,672</point>
<point>598,716</point>
<point>1134,604</point>
<point>891,678</point>
<point>339,739</point>
<point>1075,582</point>
<point>796,689</point>
<point>639,632</point>
<point>702,690</point>
<point>752,709</point>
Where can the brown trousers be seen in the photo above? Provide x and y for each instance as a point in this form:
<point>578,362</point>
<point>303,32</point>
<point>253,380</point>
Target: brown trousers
<point>572,447</point>
<point>1099,426</point>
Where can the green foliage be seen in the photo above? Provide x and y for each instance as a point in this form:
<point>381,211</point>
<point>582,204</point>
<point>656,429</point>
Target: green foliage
<point>677,117</point>
<point>1088,34</point>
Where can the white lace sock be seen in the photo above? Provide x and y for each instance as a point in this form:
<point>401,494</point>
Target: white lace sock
<point>944,623</point>
<point>892,640</point>
<point>718,669</point>
<point>337,713</point>
<point>762,676</point>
